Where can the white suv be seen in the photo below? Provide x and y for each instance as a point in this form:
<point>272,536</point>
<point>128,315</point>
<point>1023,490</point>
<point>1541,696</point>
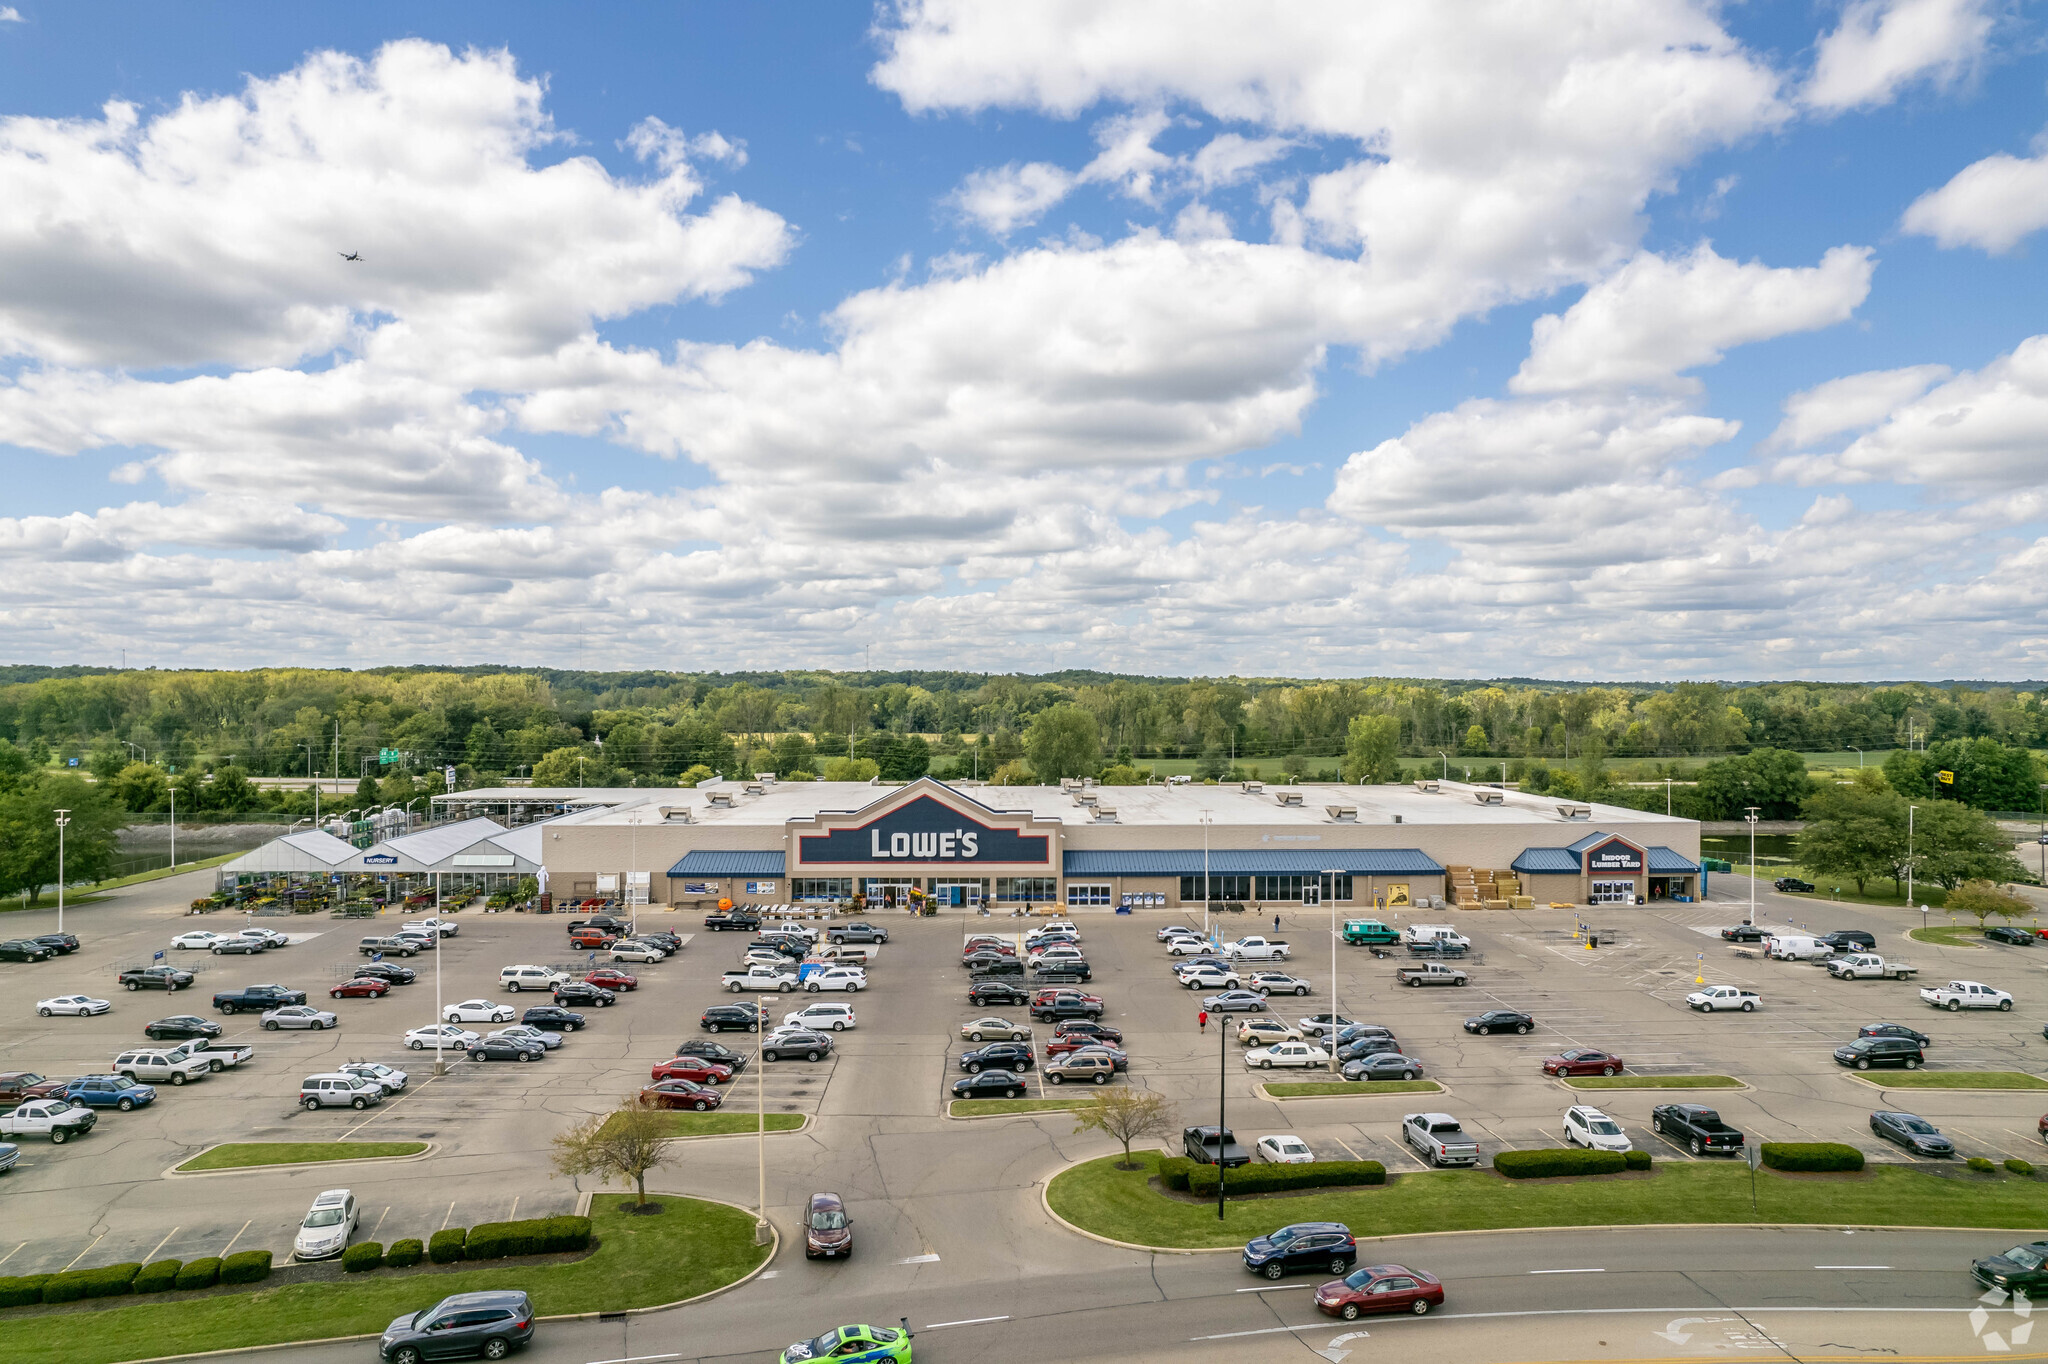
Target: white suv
<point>517,978</point>
<point>1588,1126</point>
<point>328,1225</point>
<point>848,978</point>
<point>819,1017</point>
<point>339,1091</point>
<point>169,1064</point>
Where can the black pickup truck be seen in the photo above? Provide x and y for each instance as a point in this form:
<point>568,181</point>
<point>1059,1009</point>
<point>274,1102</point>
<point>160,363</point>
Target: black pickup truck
<point>154,978</point>
<point>722,920</point>
<point>1213,1146</point>
<point>1697,1128</point>
<point>257,998</point>
<point>604,921</point>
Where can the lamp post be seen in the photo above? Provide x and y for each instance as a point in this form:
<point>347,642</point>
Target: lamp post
<point>440,1063</point>
<point>1222,1081</point>
<point>1207,896</point>
<point>761,1121</point>
<point>1750,819</point>
<point>1909,855</point>
<point>1333,875</point>
<point>63,819</point>
<point>2042,841</point>
<point>174,825</point>
<point>1859,758</point>
<point>1447,763</point>
<point>1667,797</point>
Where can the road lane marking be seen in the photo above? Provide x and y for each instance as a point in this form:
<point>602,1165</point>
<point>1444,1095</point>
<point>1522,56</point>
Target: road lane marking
<point>160,1245</point>
<point>971,1321</point>
<point>925,1259</point>
<point>1852,1266</point>
<point>633,1359</point>
<point>1591,1312</point>
<point>1567,1271</point>
<point>82,1254</point>
<point>232,1239</point>
<point>1269,1288</point>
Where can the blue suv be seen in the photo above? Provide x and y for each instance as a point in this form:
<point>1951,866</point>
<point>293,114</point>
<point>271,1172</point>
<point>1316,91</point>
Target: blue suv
<point>109,1091</point>
<point>1302,1248</point>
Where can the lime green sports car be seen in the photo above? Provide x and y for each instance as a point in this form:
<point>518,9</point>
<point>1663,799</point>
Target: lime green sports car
<point>853,1345</point>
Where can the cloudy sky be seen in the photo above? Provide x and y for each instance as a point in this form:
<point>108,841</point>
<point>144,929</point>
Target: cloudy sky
<point>1646,339</point>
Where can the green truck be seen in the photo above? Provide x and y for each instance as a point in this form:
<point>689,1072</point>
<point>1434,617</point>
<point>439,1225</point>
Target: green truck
<point>1359,931</point>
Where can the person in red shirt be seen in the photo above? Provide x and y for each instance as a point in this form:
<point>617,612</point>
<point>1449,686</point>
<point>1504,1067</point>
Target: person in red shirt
<point>1202,1020</point>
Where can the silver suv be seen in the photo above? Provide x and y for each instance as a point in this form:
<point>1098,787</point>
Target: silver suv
<point>339,1091</point>
<point>169,1064</point>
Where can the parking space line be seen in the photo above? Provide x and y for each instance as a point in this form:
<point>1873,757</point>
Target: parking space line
<point>11,1254</point>
<point>160,1245</point>
<point>448,1214</point>
<point>1347,1147</point>
<point>380,1220</point>
<point>232,1239</point>
<point>88,1250</point>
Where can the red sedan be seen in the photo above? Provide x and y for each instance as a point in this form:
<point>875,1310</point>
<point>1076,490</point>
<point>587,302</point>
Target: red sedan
<point>681,1094</point>
<point>363,987</point>
<point>1047,995</point>
<point>1582,1061</point>
<point>694,1068</point>
<point>1062,1043</point>
<point>607,979</point>
<point>1380,1288</point>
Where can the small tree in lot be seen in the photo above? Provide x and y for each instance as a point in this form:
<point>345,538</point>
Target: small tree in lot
<point>1126,1115</point>
<point>1983,899</point>
<point>621,1145</point>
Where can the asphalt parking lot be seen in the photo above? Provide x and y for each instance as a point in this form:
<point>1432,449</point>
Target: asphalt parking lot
<point>921,1185</point>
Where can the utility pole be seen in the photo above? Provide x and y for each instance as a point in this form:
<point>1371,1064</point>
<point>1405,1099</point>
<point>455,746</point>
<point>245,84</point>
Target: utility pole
<point>1333,875</point>
<point>174,825</point>
<point>1909,852</point>
<point>1750,818</point>
<point>63,819</point>
<point>1222,1080</point>
<point>1207,932</point>
<point>761,1235</point>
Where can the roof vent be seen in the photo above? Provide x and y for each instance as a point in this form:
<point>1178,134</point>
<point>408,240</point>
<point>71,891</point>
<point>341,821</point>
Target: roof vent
<point>1105,814</point>
<point>1288,797</point>
<point>1342,814</point>
<point>1489,796</point>
<point>1428,788</point>
<point>755,788</point>
<point>675,814</point>
<point>1070,783</point>
<point>1085,798</point>
<point>767,777</point>
<point>1254,787</point>
<point>1576,811</point>
<point>1397,819</point>
<point>720,799</point>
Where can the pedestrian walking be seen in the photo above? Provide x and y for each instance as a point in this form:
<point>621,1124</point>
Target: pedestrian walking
<point>1276,923</point>
<point>1202,1019</point>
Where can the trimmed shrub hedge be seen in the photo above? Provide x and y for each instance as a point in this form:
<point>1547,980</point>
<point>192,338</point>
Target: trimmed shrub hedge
<point>245,1266</point>
<point>2018,1166</point>
<point>108,1281</point>
<point>445,1247</point>
<point>1555,1161</point>
<point>158,1276</point>
<point>534,1236</point>
<point>1321,1174</point>
<point>363,1255</point>
<point>19,1290</point>
<point>405,1254</point>
<point>1173,1172</point>
<point>1981,1165</point>
<point>203,1273</point>
<point>1811,1155</point>
<point>1637,1160</point>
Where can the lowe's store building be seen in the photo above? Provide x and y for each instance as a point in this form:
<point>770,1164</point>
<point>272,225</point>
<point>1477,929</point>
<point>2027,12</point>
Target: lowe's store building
<point>769,842</point>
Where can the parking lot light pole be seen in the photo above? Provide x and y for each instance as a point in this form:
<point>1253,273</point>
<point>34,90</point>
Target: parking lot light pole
<point>63,819</point>
<point>1750,819</point>
<point>1207,895</point>
<point>761,1119</point>
<point>1222,1079</point>
<point>1909,854</point>
<point>440,1062</point>
<point>1333,875</point>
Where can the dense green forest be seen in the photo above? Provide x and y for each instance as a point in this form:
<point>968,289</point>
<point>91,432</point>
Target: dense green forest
<point>144,729</point>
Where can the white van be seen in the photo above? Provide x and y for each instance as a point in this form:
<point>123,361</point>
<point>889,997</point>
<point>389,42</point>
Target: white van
<point>1796,947</point>
<point>517,978</point>
<point>1437,933</point>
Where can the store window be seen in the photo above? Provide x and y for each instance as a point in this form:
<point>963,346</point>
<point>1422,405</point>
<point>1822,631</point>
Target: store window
<point>1612,893</point>
<point>1220,888</point>
<point>1030,889</point>
<point>1087,894</point>
<point>806,889</point>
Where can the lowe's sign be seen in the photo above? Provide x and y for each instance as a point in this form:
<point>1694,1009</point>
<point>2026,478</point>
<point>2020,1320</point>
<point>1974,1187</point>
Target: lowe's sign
<point>924,830</point>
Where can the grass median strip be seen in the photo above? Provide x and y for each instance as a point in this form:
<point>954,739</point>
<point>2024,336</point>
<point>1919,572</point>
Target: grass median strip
<point>1958,1079</point>
<point>1948,935</point>
<point>1315,1089</point>
<point>989,1108</point>
<point>1654,1082</point>
<point>724,1124</point>
<point>1097,1197</point>
<point>691,1248</point>
<point>243,1154</point>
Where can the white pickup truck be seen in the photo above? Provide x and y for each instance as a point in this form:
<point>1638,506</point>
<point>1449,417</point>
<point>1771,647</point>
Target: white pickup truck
<point>1869,966</point>
<point>1257,949</point>
<point>1965,994</point>
<point>58,1119</point>
<point>760,976</point>
<point>218,1055</point>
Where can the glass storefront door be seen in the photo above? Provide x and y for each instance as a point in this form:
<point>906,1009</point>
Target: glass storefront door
<point>1612,893</point>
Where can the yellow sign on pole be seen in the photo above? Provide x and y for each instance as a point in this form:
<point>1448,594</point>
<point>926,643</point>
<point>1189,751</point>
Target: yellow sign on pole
<point>1945,777</point>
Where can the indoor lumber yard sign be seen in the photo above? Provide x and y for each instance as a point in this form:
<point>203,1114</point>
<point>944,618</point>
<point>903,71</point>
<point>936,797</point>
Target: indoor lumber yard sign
<point>924,830</point>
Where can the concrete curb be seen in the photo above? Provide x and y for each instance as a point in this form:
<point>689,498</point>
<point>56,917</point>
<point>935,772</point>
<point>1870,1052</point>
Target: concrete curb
<point>948,1114</point>
<point>1365,1091</point>
<point>1045,1201</point>
<point>803,1126</point>
<point>774,1249</point>
<point>1857,1078</point>
<point>1740,1086</point>
<point>433,1147</point>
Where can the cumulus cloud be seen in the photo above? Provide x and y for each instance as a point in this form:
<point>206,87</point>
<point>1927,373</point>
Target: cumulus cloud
<point>1011,196</point>
<point>1851,403</point>
<point>1655,317</point>
<point>1991,204</point>
<point>1882,45</point>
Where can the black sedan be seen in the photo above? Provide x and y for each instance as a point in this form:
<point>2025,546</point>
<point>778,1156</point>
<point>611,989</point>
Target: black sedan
<point>64,944</point>
<point>704,1049</point>
<point>1916,1134</point>
<point>1367,1046</point>
<point>580,992</point>
<point>2023,1269</point>
<point>731,1017</point>
<point>180,1025</point>
<point>986,993</point>
<point>386,972</point>
<point>990,1084</point>
<point>1005,1055</point>
<point>25,949</point>
<point>1745,933</point>
<point>1894,1030</point>
<point>505,1049</point>
<point>1500,1020</point>
<point>1095,1032</point>
<point>2010,936</point>
<point>1390,1065</point>
<point>553,1018</point>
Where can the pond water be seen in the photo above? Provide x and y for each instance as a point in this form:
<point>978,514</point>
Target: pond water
<point>1771,849</point>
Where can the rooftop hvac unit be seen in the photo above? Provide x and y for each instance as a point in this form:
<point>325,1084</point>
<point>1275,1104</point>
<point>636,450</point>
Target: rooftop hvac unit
<point>1083,798</point>
<point>765,777</point>
<point>755,788</point>
<point>1105,814</point>
<point>1576,811</point>
<point>1342,814</point>
<point>675,814</point>
<point>1254,787</point>
<point>1426,787</point>
<point>1288,797</point>
<point>720,799</point>
<point>1488,796</point>
<point>1070,783</point>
